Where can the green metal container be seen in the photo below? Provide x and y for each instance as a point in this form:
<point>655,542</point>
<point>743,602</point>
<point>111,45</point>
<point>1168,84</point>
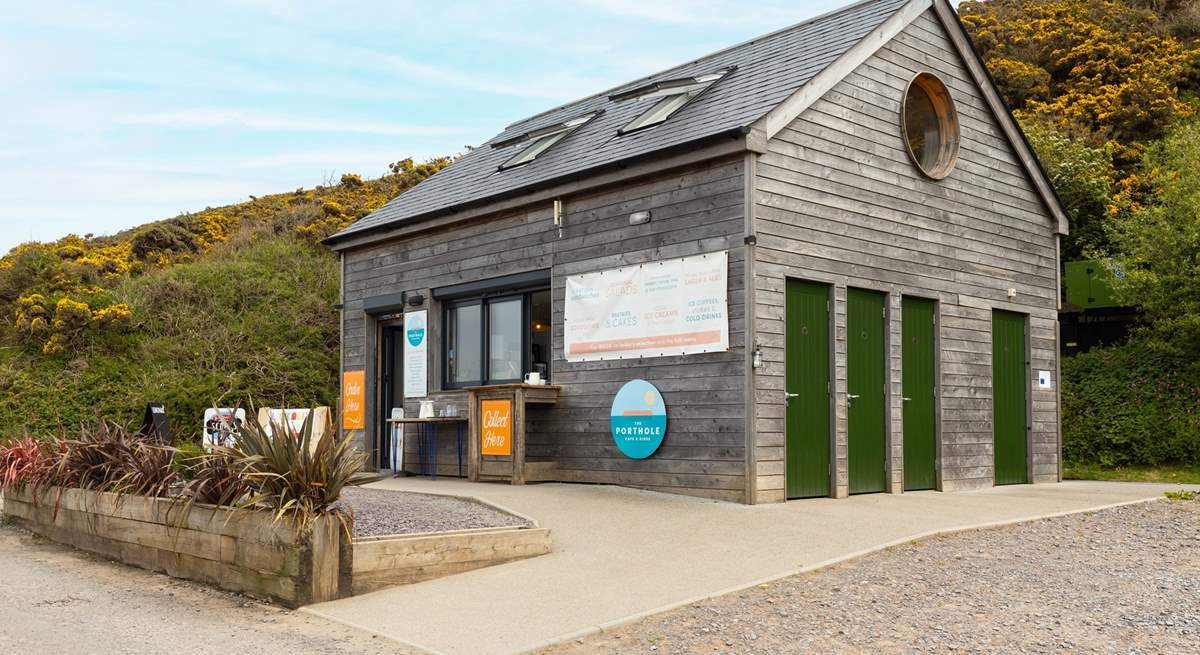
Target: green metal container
<point>1089,285</point>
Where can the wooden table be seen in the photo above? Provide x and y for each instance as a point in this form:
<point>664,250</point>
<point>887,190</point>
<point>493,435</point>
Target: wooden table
<point>511,467</point>
<point>427,440</point>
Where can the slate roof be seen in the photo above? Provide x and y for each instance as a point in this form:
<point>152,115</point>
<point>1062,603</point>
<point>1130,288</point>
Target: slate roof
<point>768,70</point>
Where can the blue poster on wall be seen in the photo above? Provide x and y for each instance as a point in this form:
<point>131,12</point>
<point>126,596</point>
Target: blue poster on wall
<point>639,419</point>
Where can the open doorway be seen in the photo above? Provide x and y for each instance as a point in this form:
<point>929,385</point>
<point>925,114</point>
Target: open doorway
<point>391,386</point>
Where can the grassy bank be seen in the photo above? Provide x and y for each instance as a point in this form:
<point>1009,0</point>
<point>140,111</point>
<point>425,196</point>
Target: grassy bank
<point>1165,474</point>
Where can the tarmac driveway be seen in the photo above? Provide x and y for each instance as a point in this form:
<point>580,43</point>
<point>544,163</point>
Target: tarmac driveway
<point>621,554</point>
<point>61,601</point>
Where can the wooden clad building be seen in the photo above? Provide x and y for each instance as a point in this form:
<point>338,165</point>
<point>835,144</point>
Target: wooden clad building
<point>890,249</point>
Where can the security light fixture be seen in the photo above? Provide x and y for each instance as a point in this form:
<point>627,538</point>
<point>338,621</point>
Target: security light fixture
<point>416,300</point>
<point>639,218</point>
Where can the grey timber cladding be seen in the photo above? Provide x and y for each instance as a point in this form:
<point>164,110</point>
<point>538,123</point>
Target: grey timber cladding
<point>695,210</point>
<point>837,200</point>
<point>768,70</point>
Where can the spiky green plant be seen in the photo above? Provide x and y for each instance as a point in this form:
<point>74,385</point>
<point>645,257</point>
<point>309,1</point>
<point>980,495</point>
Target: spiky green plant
<point>300,477</point>
<point>224,477</point>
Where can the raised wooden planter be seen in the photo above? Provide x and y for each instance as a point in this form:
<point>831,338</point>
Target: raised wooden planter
<point>239,550</point>
<point>246,551</point>
<point>403,559</point>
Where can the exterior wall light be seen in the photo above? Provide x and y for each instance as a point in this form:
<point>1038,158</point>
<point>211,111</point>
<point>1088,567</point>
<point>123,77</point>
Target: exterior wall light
<point>416,300</point>
<point>639,218</point>
<point>757,362</point>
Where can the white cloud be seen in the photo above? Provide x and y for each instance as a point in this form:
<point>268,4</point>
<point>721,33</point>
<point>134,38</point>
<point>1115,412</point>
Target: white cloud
<point>351,160</point>
<point>713,12</point>
<point>266,121</point>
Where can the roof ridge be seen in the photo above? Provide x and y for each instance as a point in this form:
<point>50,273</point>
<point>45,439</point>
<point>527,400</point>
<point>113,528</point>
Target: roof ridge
<point>646,78</point>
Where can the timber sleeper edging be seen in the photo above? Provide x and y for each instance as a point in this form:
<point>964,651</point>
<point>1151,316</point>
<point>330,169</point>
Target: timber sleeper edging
<point>246,551</point>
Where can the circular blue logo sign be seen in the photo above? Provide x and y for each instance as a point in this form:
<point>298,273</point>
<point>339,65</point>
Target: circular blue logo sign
<point>415,330</point>
<point>639,419</point>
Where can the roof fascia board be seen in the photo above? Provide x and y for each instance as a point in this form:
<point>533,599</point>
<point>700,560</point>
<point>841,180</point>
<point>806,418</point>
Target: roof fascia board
<point>687,154</point>
<point>785,112</point>
<point>1008,124</point>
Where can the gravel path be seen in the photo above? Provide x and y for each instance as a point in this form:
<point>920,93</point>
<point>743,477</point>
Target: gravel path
<point>55,599</point>
<point>1124,580</point>
<point>379,512</point>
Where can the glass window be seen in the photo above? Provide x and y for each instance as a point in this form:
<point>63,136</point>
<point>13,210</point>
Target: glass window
<point>930,126</point>
<point>673,95</point>
<point>539,342</point>
<point>464,330</point>
<point>535,148</point>
<point>505,340</point>
<point>539,141</point>
<point>497,340</point>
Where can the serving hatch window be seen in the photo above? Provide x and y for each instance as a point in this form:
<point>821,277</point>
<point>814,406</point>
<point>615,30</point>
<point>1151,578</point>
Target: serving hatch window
<point>496,340</point>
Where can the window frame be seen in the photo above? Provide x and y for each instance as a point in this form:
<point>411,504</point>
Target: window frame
<point>946,115</point>
<point>684,91</point>
<point>536,143</point>
<point>447,308</point>
<point>484,300</point>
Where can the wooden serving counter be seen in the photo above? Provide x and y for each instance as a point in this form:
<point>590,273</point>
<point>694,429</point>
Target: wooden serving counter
<point>497,432</point>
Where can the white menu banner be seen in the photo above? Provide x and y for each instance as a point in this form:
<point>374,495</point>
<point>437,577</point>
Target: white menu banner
<point>672,307</point>
<point>416,354</point>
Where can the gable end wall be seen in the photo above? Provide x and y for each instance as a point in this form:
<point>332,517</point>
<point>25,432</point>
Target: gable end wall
<point>837,200</point>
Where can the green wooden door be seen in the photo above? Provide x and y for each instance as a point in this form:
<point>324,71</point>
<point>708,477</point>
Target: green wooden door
<point>1010,387</point>
<point>919,375</point>
<point>806,333</point>
<point>865,390</point>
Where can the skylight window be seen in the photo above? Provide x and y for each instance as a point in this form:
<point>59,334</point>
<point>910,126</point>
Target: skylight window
<point>673,95</point>
<point>541,140</point>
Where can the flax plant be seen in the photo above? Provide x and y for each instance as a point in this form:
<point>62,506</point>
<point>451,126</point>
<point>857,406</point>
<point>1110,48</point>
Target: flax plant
<point>299,476</point>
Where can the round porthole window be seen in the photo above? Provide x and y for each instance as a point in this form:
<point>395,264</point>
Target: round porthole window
<point>929,125</point>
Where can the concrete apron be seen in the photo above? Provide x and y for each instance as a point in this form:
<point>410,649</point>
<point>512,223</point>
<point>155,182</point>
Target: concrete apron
<point>621,554</point>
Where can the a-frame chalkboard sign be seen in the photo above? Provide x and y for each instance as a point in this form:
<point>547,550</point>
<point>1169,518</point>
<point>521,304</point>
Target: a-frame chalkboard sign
<point>155,425</point>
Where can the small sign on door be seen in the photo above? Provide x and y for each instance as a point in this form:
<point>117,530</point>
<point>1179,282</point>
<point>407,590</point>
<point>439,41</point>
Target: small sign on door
<point>1045,382</point>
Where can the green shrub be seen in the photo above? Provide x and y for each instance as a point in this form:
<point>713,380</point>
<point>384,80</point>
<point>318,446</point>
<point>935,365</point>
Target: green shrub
<point>1130,406</point>
<point>187,455</point>
<point>252,321</point>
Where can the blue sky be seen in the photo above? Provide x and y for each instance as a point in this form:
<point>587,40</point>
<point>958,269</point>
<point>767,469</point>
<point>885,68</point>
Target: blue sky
<point>118,113</point>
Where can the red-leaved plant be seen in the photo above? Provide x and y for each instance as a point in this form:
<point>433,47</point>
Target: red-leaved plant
<point>25,462</point>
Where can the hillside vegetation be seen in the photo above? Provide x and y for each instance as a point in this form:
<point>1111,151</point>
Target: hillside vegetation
<point>228,305</point>
<point>1108,94</point>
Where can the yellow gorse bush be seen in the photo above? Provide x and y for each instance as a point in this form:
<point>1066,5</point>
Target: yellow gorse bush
<point>1103,65</point>
<point>60,291</point>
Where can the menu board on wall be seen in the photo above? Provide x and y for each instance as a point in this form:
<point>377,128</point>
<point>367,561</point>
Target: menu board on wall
<point>671,307</point>
<point>416,354</point>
